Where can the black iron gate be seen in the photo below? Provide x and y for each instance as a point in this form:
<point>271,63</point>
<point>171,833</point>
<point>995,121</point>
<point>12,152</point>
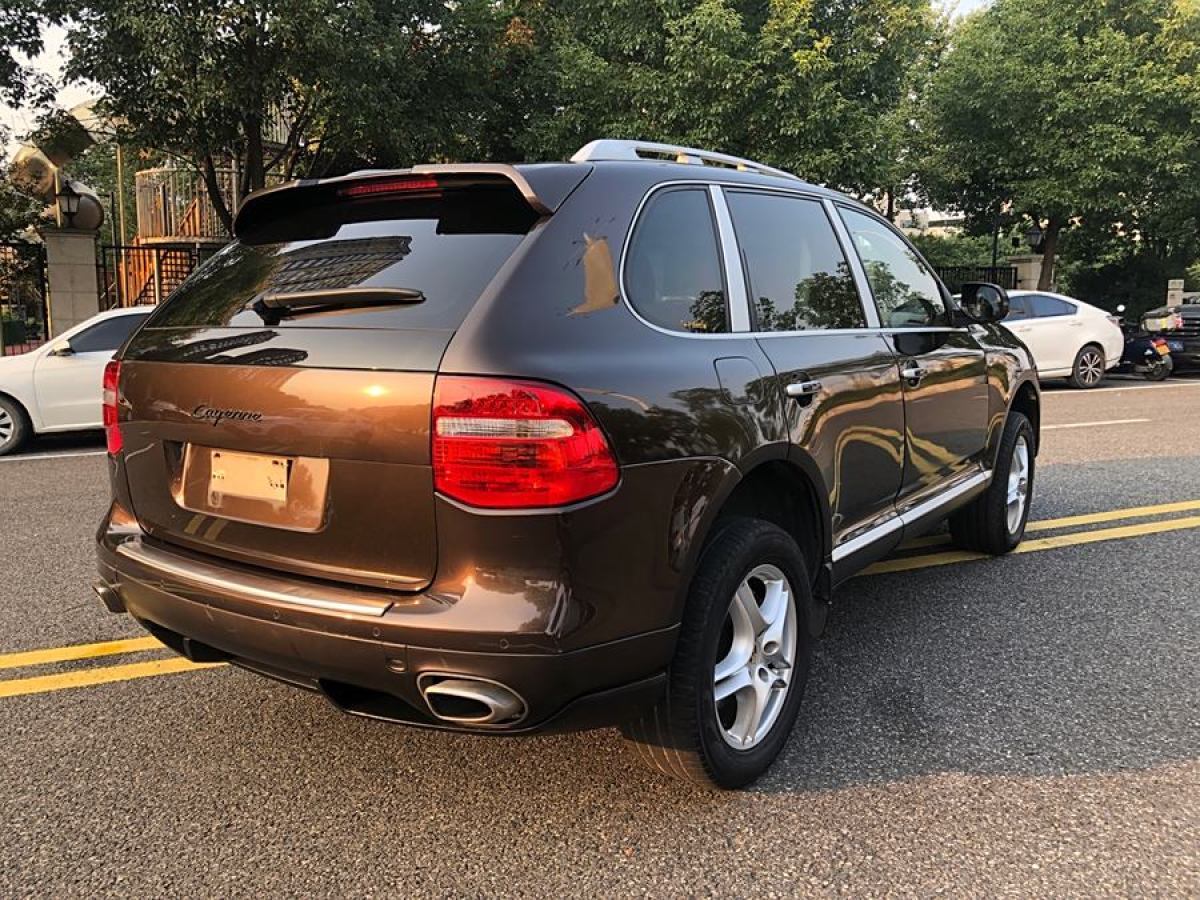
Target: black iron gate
<point>23,317</point>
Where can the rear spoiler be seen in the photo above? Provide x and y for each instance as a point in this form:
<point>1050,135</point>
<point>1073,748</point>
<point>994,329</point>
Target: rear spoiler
<point>544,187</point>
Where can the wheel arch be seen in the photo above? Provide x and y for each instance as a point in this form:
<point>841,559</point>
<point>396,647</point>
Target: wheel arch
<point>1027,400</point>
<point>787,493</point>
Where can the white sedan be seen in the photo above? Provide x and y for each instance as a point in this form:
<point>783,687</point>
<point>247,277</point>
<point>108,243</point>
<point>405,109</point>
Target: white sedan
<point>57,387</point>
<point>1068,338</point>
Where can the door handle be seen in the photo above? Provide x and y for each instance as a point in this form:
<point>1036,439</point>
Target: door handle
<point>803,391</point>
<point>913,373</point>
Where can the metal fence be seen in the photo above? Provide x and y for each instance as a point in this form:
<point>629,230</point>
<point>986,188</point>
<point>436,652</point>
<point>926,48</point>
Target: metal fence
<point>954,277</point>
<point>133,275</point>
<point>24,323</point>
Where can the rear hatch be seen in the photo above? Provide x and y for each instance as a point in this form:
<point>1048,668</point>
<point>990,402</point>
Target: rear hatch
<point>276,407</point>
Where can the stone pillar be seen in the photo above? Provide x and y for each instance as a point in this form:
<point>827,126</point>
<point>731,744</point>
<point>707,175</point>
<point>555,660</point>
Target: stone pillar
<point>74,293</point>
<point>1029,270</point>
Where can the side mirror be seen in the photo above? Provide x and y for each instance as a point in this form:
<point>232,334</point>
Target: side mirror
<point>63,349</point>
<point>984,302</point>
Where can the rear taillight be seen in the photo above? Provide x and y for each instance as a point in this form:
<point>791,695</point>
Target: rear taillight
<point>112,430</point>
<point>516,444</point>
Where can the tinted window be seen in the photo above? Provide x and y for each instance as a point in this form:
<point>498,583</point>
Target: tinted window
<point>1018,308</point>
<point>446,247</point>
<point>905,290</point>
<point>108,335</point>
<point>1049,306</point>
<point>799,277</point>
<point>673,274</point>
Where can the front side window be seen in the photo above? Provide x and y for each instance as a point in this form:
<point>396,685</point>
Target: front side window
<point>798,274</point>
<point>1045,307</point>
<point>905,290</point>
<point>673,273</point>
<point>106,336</point>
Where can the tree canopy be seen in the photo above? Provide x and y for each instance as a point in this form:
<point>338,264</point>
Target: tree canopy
<point>316,86</point>
<point>1065,110</point>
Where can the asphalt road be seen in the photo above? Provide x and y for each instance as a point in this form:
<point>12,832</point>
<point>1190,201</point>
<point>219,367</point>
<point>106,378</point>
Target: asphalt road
<point>1025,726</point>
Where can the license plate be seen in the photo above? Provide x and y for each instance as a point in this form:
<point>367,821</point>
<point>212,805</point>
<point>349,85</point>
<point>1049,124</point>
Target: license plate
<point>249,475</point>
<point>1175,346</point>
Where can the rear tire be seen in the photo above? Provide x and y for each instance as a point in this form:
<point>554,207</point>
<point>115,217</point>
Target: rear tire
<point>744,635</point>
<point>994,522</point>
<point>1159,370</point>
<point>14,426</point>
<point>1088,369</point>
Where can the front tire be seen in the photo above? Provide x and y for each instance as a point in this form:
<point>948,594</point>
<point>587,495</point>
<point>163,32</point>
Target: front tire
<point>994,522</point>
<point>741,663</point>
<point>14,426</point>
<point>1088,370</point>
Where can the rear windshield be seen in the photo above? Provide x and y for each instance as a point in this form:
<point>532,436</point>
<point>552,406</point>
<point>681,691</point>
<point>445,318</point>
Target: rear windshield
<point>439,251</point>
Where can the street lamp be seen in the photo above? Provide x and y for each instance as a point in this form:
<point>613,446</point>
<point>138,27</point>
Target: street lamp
<point>68,202</point>
<point>1033,236</point>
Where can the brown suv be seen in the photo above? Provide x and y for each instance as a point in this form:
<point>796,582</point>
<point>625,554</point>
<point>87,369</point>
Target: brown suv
<point>507,448</point>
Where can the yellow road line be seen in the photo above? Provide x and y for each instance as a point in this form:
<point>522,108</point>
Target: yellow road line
<point>77,651</point>
<point>1112,515</point>
<point>41,684</point>
<point>1047,543</point>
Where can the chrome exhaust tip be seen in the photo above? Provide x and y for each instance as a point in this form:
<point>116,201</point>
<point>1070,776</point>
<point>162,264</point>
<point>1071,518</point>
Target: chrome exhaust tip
<point>110,598</point>
<point>466,700</point>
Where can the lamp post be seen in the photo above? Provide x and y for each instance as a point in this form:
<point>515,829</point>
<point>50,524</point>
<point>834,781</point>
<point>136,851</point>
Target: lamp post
<point>68,202</point>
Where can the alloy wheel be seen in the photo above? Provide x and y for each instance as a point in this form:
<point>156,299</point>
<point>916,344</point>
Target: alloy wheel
<point>7,427</point>
<point>752,678</point>
<point>1018,484</point>
<point>1091,367</point>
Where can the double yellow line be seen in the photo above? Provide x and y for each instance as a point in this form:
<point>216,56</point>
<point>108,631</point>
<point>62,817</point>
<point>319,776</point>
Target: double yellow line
<point>905,561</point>
<point>41,684</point>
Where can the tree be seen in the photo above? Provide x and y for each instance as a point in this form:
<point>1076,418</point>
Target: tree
<point>21,24</point>
<point>809,85</point>
<point>1068,110</point>
<point>292,86</point>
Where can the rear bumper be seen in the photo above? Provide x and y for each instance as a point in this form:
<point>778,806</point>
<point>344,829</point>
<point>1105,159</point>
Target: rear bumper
<point>367,661</point>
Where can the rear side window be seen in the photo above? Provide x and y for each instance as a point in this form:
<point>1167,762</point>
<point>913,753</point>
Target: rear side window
<point>799,277</point>
<point>905,290</point>
<point>673,273</point>
<point>436,252</point>
<point>1018,308</point>
<point>106,336</point>
<point>1044,307</point>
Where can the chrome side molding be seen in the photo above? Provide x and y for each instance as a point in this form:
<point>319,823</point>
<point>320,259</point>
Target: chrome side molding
<point>911,515</point>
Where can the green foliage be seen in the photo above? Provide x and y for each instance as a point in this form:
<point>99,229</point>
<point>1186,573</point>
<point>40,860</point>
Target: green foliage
<point>810,85</point>
<point>1069,110</point>
<point>959,249</point>
<point>21,23</point>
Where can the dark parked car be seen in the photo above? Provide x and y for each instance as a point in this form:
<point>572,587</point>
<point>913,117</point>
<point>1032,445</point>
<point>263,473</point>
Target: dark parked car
<point>1180,327</point>
<point>507,448</point>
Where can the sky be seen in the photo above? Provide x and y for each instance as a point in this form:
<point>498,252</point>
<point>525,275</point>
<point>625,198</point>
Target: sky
<point>20,121</point>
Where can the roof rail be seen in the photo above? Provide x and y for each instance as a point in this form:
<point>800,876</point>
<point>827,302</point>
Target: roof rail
<point>638,150</point>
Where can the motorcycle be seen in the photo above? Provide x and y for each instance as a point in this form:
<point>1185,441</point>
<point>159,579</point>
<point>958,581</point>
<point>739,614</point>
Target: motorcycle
<point>1144,354</point>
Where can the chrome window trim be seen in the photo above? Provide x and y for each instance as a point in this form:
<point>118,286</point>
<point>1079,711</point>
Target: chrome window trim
<point>867,300</point>
<point>911,515</point>
<point>622,265</point>
<point>857,269</point>
<point>737,299</point>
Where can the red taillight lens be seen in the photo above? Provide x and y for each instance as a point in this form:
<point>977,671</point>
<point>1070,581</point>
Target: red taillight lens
<point>516,444</point>
<point>112,430</point>
<point>390,186</point>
